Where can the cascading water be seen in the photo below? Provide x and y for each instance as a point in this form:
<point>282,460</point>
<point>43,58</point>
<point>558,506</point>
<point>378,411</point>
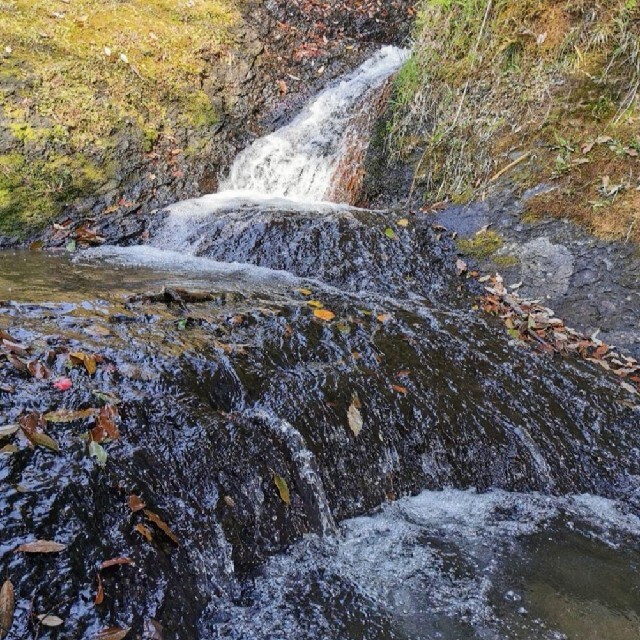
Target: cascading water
<point>249,422</point>
<point>299,160</point>
<point>291,169</point>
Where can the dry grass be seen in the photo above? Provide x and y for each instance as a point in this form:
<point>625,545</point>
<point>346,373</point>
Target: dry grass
<point>493,79</point>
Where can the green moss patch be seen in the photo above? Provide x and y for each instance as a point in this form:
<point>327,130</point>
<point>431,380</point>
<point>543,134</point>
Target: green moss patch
<point>74,74</point>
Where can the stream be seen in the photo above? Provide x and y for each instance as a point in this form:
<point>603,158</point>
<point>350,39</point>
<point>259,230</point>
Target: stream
<point>335,443</point>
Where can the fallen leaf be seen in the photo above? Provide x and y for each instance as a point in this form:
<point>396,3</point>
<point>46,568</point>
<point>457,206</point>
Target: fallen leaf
<point>305,292</point>
<point>399,389</point>
<point>112,633</point>
<point>390,233</point>
<point>316,304</point>
<point>461,267</point>
<point>38,370</point>
<point>135,503</point>
<point>355,417</point>
<point>384,317</point>
<point>63,384</point>
<point>282,487</point>
<point>43,440</point>
<point>97,451</point>
<point>403,222</point>
<point>65,415</point>
<point>324,314</point>
<point>7,608</point>
<point>114,562</point>
<point>162,525</point>
<point>42,546</point>
<point>9,449</point>
<point>8,430</point>
<point>89,361</point>
<point>50,621</point>
<point>144,532</point>
<point>106,427</point>
<point>99,599</point>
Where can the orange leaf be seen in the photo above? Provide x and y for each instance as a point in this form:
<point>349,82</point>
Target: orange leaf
<point>324,314</point>
<point>114,562</point>
<point>136,504</point>
<point>144,532</point>
<point>162,525</point>
<point>42,546</point>
<point>99,599</point>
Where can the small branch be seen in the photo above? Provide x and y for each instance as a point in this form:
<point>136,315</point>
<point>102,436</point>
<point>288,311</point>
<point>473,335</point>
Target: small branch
<point>510,166</point>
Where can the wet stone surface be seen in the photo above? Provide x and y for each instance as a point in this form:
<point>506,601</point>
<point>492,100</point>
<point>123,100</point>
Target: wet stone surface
<point>221,404</point>
<point>591,283</point>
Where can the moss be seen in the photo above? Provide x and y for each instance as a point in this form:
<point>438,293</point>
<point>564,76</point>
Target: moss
<point>506,261</point>
<point>200,113</point>
<point>482,245</point>
<point>488,80</point>
<point>97,66</point>
<point>150,136</point>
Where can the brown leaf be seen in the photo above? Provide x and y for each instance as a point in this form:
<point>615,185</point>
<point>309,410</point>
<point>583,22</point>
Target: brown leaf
<point>162,525</point>
<point>144,532</point>
<point>114,562</point>
<point>99,599</point>
<point>105,425</point>
<point>399,389</point>
<point>66,415</point>
<point>135,503</point>
<point>112,633</point>
<point>38,370</point>
<point>43,440</point>
<point>89,361</point>
<point>14,347</point>
<point>42,546</point>
<point>7,608</point>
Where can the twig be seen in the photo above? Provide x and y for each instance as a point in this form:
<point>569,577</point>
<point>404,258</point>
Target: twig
<point>510,166</point>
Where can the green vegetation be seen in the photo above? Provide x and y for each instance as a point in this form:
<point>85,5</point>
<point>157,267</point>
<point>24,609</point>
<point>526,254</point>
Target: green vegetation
<point>482,245</point>
<point>491,80</point>
<point>73,76</point>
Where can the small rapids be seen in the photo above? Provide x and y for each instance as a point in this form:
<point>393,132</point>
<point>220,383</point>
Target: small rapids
<point>454,564</point>
<point>334,365</point>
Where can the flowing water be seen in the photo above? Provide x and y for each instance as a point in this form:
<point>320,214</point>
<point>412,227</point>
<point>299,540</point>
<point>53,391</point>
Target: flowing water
<point>267,437</point>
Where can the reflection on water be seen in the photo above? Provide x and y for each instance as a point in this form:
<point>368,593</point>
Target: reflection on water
<point>588,590</point>
<point>114,272</point>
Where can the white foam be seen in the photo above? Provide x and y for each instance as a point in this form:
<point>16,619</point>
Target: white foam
<point>174,261</point>
<point>299,160</point>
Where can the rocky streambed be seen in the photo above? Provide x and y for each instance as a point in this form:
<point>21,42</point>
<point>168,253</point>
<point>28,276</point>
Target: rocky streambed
<point>190,425</point>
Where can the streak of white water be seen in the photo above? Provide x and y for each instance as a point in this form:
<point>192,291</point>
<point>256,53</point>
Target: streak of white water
<point>299,160</point>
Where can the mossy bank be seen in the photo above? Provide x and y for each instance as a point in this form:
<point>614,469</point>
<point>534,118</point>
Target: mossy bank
<point>523,93</point>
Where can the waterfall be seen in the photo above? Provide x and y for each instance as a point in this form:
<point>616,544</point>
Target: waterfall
<point>299,160</point>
